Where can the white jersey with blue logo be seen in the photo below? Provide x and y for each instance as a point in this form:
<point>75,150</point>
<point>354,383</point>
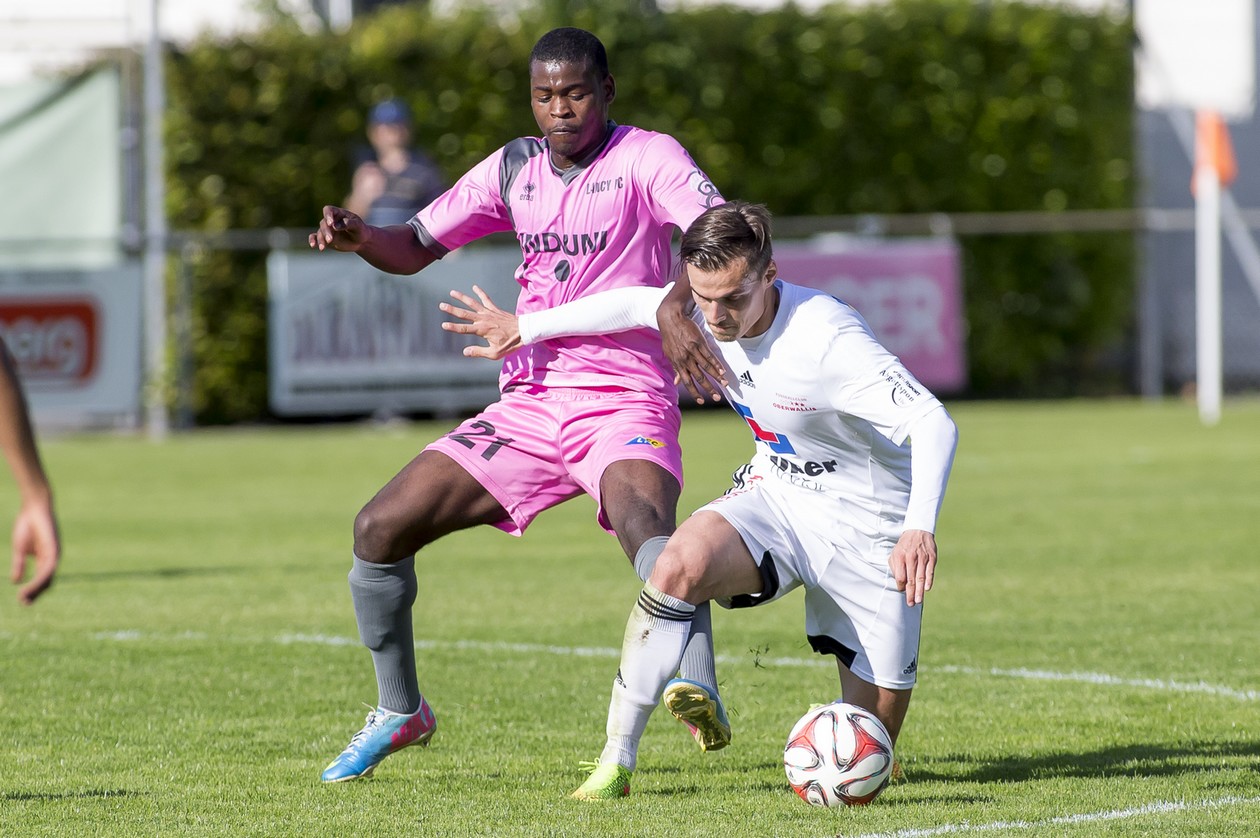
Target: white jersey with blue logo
<point>829,408</point>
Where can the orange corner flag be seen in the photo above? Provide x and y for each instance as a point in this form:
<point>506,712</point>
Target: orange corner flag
<point>1212,147</point>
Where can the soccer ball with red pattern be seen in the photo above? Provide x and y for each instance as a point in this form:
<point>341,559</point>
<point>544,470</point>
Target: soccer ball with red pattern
<point>838,755</point>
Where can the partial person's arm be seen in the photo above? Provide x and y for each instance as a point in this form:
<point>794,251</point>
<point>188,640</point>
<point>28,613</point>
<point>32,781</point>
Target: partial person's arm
<point>394,249</point>
<point>35,528</point>
<point>695,367</point>
<point>933,441</point>
<point>598,314</point>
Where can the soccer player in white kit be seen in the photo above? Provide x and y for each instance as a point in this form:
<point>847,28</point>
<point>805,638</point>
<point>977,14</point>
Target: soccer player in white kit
<point>841,497</point>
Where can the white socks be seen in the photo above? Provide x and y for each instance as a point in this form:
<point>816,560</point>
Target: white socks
<point>656,635</point>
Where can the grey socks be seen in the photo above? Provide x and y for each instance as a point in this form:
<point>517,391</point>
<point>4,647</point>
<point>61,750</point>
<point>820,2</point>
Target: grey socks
<point>383,595</point>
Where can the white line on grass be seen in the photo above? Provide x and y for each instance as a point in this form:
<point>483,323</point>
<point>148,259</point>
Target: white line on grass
<point>1157,808</point>
<point>1158,684</point>
<point>1109,680</point>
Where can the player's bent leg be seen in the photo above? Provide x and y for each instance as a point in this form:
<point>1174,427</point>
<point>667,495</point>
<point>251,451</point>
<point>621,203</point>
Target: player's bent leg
<point>383,734</point>
<point>430,497</point>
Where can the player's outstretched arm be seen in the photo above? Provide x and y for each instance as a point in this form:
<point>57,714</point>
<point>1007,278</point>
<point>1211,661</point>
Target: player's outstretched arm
<point>394,249</point>
<point>695,366</point>
<point>35,528</point>
<point>633,307</point>
<point>500,329</point>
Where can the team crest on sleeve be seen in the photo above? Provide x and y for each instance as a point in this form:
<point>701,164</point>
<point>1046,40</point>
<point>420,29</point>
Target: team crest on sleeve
<point>646,440</point>
<point>778,442</point>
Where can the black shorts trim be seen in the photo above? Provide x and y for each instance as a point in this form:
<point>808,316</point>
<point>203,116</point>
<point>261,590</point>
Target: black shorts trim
<point>825,645</point>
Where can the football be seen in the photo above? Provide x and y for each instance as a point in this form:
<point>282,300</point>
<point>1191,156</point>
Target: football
<point>838,755</point>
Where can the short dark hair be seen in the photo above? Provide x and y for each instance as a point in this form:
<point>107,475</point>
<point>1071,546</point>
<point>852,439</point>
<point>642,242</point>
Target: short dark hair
<point>573,46</point>
<point>727,232</point>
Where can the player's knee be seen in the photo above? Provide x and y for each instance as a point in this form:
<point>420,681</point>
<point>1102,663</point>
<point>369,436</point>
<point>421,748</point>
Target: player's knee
<point>376,537</point>
<point>680,572</point>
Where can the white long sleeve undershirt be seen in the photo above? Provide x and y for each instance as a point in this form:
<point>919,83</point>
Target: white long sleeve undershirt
<point>933,440</point>
<point>599,314</point>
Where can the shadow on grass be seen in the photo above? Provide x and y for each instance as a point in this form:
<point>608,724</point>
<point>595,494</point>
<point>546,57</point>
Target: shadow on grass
<point>85,794</point>
<point>1118,761</point>
<point>70,578</point>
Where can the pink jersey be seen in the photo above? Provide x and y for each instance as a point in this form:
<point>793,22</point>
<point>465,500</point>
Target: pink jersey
<point>605,223</point>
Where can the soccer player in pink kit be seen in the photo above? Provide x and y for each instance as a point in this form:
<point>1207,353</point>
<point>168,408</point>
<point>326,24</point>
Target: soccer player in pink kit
<point>594,206</point>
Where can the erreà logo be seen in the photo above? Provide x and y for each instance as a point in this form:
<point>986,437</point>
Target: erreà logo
<point>527,193</point>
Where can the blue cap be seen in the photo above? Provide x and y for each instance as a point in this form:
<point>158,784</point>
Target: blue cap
<point>391,111</point>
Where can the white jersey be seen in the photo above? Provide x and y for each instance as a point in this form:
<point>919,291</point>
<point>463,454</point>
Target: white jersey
<point>829,408</point>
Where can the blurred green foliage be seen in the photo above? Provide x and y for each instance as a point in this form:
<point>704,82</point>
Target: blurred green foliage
<point>912,106</point>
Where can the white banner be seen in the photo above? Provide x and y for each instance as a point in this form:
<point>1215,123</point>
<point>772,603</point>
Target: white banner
<point>76,338</point>
<point>348,339</point>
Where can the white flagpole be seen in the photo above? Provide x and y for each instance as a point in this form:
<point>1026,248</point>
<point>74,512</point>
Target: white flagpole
<point>1207,248</point>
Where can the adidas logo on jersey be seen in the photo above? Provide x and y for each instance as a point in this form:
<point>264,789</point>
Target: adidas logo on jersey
<point>745,378</point>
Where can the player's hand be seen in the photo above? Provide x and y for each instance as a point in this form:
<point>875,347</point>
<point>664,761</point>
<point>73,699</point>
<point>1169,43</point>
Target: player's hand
<point>500,329</point>
<point>341,230</point>
<point>695,366</point>
<point>913,564</point>
<point>35,535</point>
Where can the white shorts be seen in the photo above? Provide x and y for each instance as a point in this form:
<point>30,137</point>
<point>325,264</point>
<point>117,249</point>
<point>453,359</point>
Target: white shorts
<point>853,609</point>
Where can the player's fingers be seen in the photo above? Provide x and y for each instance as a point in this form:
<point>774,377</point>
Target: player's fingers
<point>693,387</point>
<point>41,583</point>
<point>464,298</point>
<point>462,313</point>
<point>461,328</point>
<point>18,568</point>
<point>483,296</point>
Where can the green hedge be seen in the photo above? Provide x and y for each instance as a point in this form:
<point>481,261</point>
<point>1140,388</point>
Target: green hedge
<point>913,106</point>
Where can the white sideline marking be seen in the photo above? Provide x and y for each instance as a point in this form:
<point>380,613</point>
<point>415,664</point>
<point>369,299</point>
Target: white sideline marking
<point>1109,680</point>
<point>1158,684</point>
<point>1157,808</point>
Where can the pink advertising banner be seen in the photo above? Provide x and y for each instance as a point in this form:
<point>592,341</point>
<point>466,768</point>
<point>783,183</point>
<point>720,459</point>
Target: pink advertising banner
<point>910,292</point>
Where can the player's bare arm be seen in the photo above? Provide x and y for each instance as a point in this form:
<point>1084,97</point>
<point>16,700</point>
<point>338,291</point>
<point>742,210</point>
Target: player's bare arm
<point>913,564</point>
<point>35,527</point>
<point>500,329</point>
<point>695,366</point>
<point>394,249</point>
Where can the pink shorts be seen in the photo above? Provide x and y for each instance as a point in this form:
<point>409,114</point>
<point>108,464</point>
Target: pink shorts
<point>535,449</point>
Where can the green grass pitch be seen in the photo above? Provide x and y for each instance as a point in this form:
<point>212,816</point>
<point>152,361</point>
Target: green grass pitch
<point>1089,662</point>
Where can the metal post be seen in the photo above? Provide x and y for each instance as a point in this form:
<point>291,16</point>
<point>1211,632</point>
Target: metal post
<point>1207,249</point>
<point>157,422</point>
